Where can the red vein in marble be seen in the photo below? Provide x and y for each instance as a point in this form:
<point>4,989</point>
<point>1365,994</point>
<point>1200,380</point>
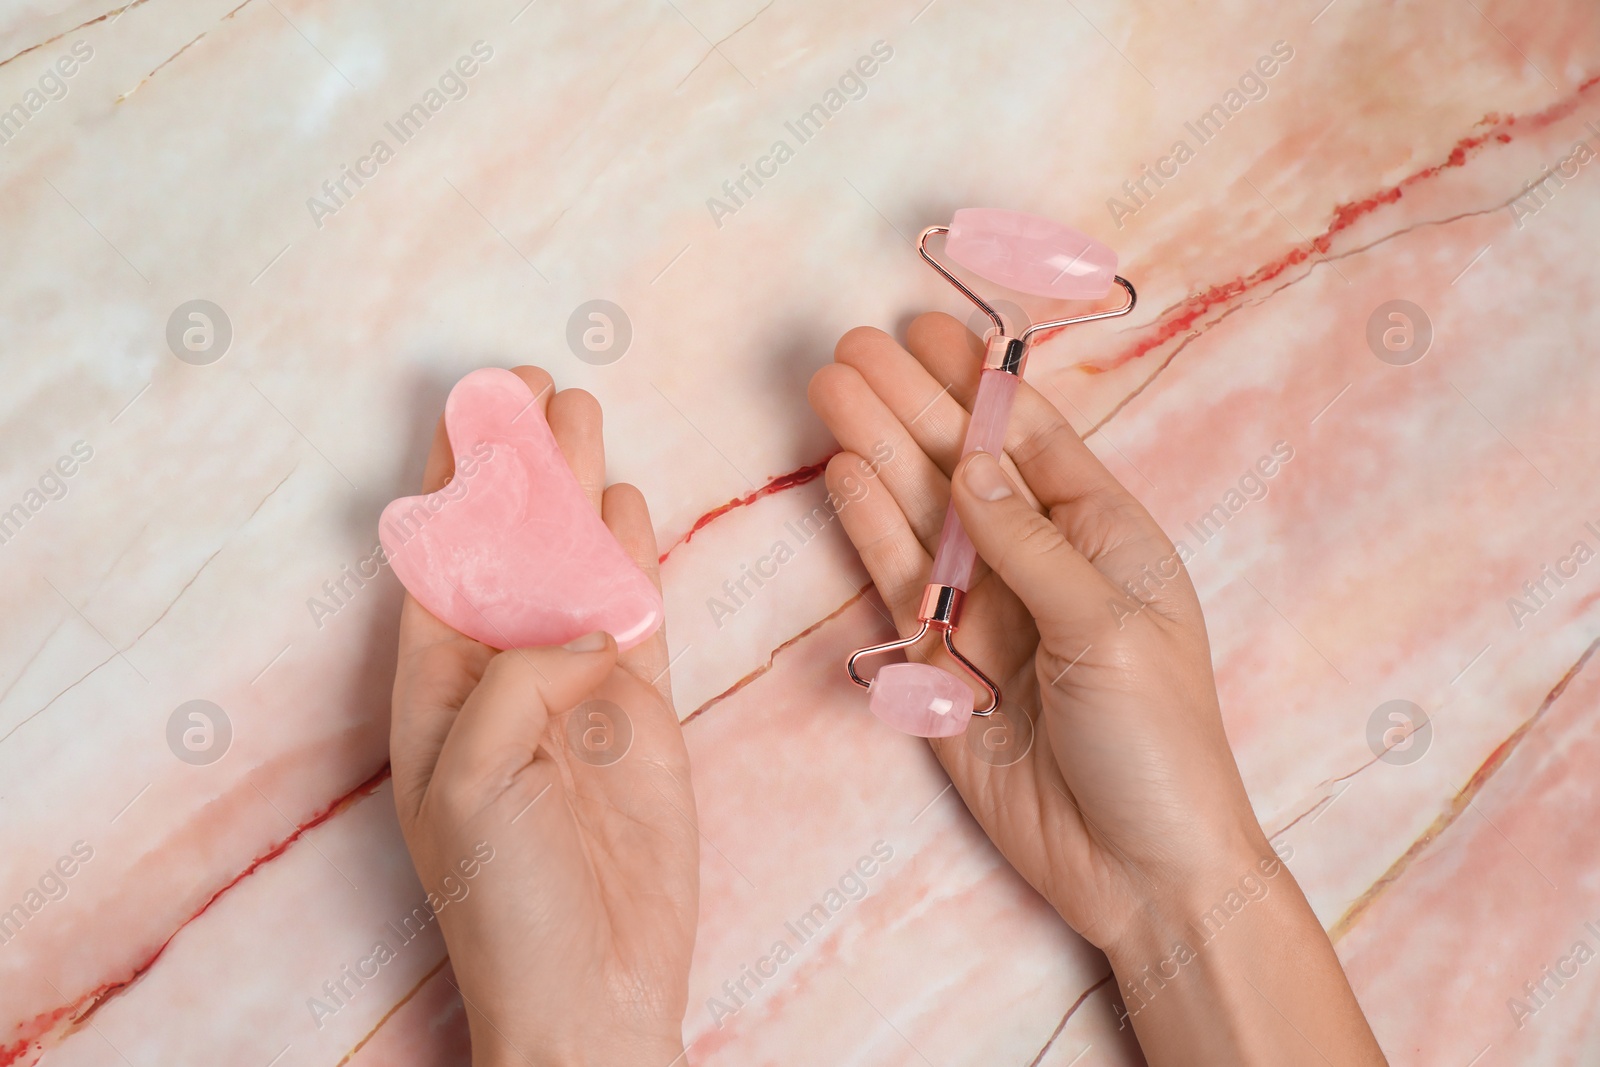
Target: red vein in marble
<point>51,40</point>
<point>795,478</point>
<point>87,1004</point>
<point>30,1033</point>
<point>160,66</point>
<point>402,1002</point>
<point>1460,801</point>
<point>1062,1025</point>
<point>1321,803</point>
<point>1345,215</point>
<point>772,658</point>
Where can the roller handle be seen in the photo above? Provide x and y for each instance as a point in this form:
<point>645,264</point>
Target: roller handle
<point>986,432</point>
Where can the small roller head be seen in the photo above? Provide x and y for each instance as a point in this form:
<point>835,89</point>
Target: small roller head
<point>920,699</point>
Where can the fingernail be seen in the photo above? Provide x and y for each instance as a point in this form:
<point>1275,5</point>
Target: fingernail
<point>587,643</point>
<point>985,478</point>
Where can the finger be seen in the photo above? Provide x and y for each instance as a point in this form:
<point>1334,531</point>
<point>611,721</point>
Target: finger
<point>440,465</point>
<point>922,402</point>
<point>1061,468</point>
<point>949,352</point>
<point>436,669</point>
<point>992,792</point>
<point>627,516</point>
<point>1050,455</point>
<point>419,628</point>
<point>576,422</point>
<point>900,566</point>
<point>865,426</point>
<point>498,732</point>
<point>1095,512</point>
<point>926,403</point>
<point>884,539</point>
<point>1063,591</point>
<point>539,383</point>
<point>1091,508</point>
<point>993,613</point>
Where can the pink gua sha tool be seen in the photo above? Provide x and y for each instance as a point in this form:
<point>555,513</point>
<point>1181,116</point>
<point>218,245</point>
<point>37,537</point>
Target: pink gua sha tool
<point>511,552</point>
<point>1028,254</point>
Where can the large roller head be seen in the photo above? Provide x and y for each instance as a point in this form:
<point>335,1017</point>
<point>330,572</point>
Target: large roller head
<point>1030,254</point>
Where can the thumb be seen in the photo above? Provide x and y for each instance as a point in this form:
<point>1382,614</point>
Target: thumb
<point>503,721</point>
<point>1061,589</point>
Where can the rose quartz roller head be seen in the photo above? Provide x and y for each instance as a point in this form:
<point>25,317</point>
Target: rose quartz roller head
<point>1029,254</point>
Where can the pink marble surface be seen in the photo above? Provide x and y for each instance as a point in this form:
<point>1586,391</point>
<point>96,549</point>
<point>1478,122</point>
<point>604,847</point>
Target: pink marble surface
<point>1399,152</point>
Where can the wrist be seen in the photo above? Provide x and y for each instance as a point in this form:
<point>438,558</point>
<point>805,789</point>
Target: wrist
<point>494,1050</point>
<point>1188,954</point>
<point>1187,911</point>
<point>1238,970</point>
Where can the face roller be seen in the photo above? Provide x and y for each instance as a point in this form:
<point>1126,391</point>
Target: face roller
<point>1028,254</point>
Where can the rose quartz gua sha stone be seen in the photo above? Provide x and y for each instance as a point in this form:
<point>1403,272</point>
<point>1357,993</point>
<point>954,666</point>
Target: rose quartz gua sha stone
<point>511,552</point>
<point>1029,254</point>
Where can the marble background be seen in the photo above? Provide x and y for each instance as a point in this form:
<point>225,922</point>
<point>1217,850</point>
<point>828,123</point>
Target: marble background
<point>1421,545</point>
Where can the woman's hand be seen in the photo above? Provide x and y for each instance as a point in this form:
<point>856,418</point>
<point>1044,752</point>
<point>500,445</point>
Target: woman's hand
<point>544,796</point>
<point>1130,789</point>
<point>1128,813</point>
